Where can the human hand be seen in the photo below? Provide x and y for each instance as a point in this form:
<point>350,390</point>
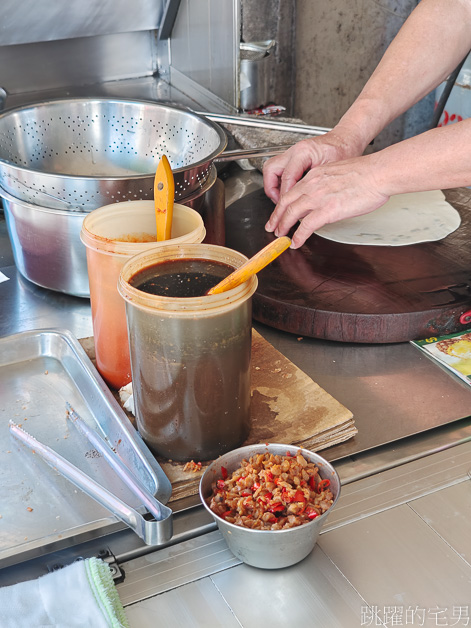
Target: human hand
<point>282,172</point>
<point>326,194</point>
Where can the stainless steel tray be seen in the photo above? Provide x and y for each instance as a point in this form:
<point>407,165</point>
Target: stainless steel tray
<point>40,510</point>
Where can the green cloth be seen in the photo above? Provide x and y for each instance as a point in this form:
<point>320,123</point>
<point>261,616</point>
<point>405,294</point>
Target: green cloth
<point>81,594</point>
<point>103,587</point>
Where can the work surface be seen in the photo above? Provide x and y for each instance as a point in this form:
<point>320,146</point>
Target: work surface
<point>354,293</point>
<point>390,535</point>
<point>394,552</point>
<point>393,390</point>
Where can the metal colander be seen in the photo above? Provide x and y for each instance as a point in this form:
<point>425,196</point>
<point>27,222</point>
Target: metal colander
<point>84,153</point>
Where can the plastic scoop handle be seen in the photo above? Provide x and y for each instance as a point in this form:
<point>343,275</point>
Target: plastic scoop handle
<point>164,194</point>
<point>253,265</point>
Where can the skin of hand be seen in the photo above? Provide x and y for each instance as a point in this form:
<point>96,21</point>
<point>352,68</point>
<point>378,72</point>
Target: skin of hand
<point>282,172</point>
<point>326,194</point>
<point>432,41</point>
<point>437,159</point>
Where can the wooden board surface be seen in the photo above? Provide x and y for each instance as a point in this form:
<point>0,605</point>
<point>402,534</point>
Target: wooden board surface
<point>358,293</point>
<point>287,407</point>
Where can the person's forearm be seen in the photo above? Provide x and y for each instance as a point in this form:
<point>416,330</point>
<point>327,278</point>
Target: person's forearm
<point>437,159</point>
<point>431,43</point>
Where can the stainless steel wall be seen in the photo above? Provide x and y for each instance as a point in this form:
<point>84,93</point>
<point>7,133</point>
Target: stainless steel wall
<point>204,49</point>
<point>75,62</point>
<point>45,46</point>
<point>29,21</point>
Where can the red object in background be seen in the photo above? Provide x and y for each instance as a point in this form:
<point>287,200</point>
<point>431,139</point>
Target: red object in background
<point>268,110</point>
<point>449,119</point>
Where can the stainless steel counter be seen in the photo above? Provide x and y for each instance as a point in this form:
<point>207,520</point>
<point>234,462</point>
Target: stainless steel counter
<point>398,493</point>
<point>394,391</point>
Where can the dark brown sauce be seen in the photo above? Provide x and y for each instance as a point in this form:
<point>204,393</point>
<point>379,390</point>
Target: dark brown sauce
<point>181,278</point>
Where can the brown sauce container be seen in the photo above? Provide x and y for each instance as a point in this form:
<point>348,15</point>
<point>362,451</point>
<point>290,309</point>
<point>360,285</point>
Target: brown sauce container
<point>190,359</point>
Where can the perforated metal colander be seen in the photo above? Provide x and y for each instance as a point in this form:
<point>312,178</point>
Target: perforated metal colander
<point>84,153</point>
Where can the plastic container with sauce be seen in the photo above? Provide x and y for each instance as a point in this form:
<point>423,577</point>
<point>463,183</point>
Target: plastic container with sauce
<point>190,358</point>
<point>112,234</point>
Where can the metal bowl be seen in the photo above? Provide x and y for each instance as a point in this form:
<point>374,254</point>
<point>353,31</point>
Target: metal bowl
<point>46,241</point>
<point>46,245</point>
<point>80,153</point>
<point>268,549</point>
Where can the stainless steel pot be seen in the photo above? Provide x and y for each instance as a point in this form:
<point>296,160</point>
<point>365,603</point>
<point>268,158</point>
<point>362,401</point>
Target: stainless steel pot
<point>81,154</point>
<point>46,245</point>
<point>254,91</point>
<point>46,241</point>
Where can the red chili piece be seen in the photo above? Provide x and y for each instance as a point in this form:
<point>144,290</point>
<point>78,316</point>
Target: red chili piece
<point>323,484</point>
<point>224,473</point>
<point>286,497</point>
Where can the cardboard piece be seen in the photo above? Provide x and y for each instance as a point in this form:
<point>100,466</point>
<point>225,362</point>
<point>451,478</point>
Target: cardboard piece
<point>287,407</point>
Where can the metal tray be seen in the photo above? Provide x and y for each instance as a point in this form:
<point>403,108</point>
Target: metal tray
<point>40,510</point>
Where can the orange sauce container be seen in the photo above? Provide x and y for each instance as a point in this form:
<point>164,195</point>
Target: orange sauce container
<point>112,234</point>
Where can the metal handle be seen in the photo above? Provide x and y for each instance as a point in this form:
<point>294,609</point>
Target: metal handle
<point>158,510</point>
<point>151,532</point>
<point>248,153</point>
<point>262,123</point>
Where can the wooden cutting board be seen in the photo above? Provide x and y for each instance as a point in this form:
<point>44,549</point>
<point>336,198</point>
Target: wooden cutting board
<point>287,406</point>
<point>352,293</point>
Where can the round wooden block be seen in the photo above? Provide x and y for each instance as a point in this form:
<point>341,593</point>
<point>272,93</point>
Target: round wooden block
<point>349,293</point>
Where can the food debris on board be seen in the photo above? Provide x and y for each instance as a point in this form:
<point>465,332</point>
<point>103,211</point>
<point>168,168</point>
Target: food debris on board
<point>192,466</point>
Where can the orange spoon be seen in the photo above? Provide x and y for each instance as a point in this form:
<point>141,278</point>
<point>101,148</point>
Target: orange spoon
<point>253,265</point>
<point>164,194</point>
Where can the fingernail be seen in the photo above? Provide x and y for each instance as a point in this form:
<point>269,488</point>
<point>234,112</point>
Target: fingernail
<point>268,227</point>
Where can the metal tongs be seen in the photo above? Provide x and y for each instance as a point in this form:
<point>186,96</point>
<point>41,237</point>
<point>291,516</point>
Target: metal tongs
<point>151,532</point>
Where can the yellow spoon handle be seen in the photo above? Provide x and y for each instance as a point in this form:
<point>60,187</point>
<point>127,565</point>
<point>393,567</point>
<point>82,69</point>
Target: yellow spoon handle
<point>164,194</point>
<point>253,265</point>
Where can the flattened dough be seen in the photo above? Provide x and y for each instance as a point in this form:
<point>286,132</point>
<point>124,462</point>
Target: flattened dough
<point>404,219</point>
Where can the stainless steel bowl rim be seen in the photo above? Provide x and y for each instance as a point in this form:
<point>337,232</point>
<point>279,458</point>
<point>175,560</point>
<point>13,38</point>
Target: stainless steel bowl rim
<point>46,210</point>
<point>77,212</point>
<point>262,448</point>
<point>216,127</point>
<point>57,101</point>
